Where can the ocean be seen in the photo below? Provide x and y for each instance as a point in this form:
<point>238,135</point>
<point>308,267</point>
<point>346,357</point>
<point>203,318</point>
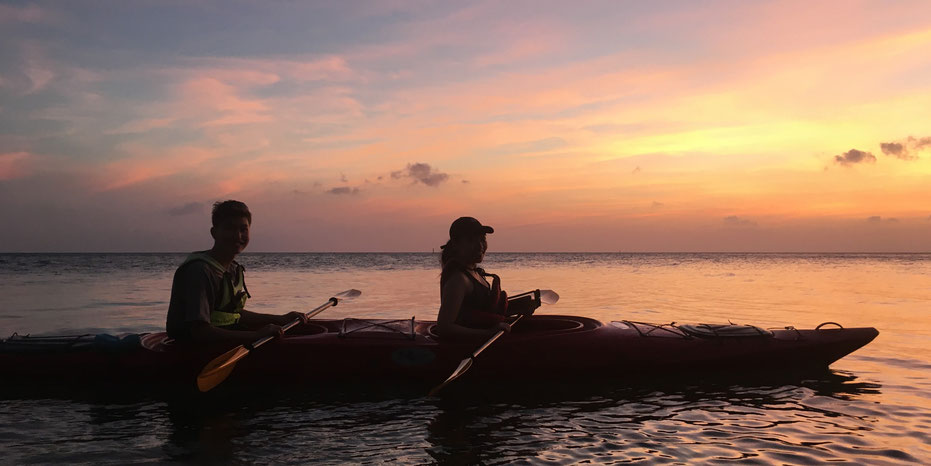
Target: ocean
<point>872,407</point>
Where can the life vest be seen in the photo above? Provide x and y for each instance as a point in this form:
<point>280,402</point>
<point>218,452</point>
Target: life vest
<point>498,298</point>
<point>491,310</point>
<point>231,299</point>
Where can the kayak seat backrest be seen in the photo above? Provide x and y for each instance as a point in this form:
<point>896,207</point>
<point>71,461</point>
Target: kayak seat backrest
<point>724,330</point>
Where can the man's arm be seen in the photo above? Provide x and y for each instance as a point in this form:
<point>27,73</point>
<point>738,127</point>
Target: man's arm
<point>204,332</point>
<point>193,294</point>
<point>254,319</point>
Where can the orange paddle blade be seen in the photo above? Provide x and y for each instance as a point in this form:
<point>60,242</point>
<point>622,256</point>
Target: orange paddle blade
<point>219,369</point>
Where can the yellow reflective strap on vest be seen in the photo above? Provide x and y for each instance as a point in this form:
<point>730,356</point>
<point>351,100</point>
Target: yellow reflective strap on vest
<point>233,295</point>
<point>222,319</point>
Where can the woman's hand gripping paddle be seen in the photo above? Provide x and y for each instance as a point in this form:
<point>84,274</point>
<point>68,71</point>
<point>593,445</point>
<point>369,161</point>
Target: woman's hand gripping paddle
<point>542,296</point>
<point>216,371</point>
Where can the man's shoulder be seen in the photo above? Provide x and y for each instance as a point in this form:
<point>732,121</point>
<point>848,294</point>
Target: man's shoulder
<point>193,267</point>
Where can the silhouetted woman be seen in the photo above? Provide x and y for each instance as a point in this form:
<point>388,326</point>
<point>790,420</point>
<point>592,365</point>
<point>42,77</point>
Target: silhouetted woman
<point>469,305</point>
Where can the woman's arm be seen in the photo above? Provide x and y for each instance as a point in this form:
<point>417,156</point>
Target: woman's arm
<point>451,295</point>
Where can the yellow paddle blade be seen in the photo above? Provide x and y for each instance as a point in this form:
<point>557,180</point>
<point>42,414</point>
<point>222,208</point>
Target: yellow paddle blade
<point>219,369</point>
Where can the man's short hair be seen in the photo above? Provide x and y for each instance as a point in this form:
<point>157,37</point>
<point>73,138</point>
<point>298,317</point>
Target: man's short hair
<point>224,210</point>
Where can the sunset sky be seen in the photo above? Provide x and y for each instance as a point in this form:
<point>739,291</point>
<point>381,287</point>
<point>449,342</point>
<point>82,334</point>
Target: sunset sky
<point>370,126</point>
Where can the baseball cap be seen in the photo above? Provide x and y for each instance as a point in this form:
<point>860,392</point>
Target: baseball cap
<point>468,226</point>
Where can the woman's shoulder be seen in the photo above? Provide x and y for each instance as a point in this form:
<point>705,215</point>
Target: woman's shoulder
<point>458,278</point>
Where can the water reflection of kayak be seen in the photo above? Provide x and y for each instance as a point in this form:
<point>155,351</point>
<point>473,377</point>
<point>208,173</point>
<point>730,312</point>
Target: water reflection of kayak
<point>542,347</point>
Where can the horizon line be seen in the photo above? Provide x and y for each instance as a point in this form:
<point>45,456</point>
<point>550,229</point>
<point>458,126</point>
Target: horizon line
<point>488,253</point>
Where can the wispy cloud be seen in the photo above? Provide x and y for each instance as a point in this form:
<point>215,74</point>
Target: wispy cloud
<point>539,145</point>
<point>141,164</point>
<point>907,149</point>
<point>343,191</point>
<point>734,220</point>
<point>190,208</point>
<point>896,149</point>
<point>25,14</point>
<point>221,104</point>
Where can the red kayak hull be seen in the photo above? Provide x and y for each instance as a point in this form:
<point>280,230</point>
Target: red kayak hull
<point>542,347</point>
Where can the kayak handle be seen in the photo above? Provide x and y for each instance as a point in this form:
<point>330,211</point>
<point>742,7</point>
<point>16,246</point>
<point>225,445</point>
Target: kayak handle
<point>828,323</point>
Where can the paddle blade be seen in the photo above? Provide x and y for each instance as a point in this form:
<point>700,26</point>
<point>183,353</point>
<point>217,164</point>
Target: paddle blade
<point>548,297</point>
<point>216,371</point>
<point>463,367</point>
<point>348,294</point>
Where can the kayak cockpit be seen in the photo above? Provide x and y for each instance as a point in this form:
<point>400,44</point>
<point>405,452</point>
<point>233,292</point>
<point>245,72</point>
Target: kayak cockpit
<point>538,325</point>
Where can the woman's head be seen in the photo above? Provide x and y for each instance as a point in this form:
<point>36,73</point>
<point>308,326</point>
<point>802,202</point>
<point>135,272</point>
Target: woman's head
<point>467,244</point>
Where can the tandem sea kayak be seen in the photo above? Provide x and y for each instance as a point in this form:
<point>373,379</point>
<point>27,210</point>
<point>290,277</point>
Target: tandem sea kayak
<point>540,347</point>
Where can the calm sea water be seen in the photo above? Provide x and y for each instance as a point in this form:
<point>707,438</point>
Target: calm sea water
<point>873,407</point>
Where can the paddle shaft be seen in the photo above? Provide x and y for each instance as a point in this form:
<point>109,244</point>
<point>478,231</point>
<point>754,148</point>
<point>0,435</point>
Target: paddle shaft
<point>495,337</point>
<point>466,363</point>
<point>220,367</point>
<point>332,302</point>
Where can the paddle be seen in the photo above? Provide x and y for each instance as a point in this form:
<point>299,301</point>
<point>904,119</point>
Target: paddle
<point>217,370</point>
<point>542,296</point>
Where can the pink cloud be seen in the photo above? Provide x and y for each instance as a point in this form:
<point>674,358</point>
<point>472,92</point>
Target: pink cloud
<point>15,165</point>
<point>528,39</point>
<point>244,71</point>
<point>219,104</point>
<point>143,125</point>
<point>146,164</point>
<point>328,68</point>
<point>24,14</point>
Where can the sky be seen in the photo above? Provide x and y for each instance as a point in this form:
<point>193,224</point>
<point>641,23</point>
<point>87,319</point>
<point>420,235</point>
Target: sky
<point>668,126</point>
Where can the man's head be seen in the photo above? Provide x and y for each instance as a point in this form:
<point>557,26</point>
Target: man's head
<point>224,210</point>
<point>231,221</point>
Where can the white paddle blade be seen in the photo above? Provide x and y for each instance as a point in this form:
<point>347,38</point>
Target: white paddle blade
<point>348,294</point>
<point>548,297</point>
